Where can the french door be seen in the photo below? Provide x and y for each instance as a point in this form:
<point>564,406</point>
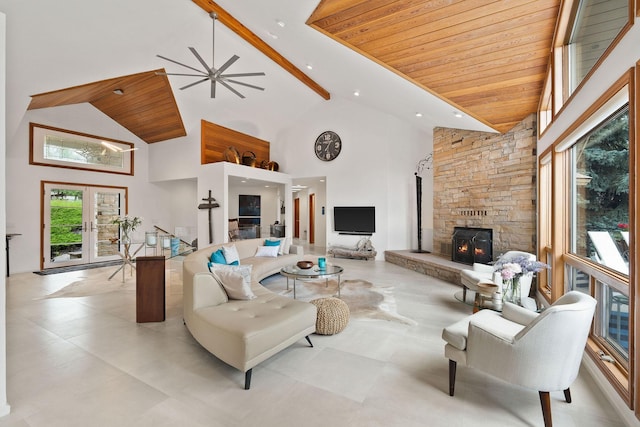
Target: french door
<point>77,223</point>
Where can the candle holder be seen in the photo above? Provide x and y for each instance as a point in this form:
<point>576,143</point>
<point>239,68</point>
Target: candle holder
<point>165,242</point>
<point>151,241</point>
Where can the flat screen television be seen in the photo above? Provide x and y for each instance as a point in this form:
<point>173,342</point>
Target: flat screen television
<point>354,219</point>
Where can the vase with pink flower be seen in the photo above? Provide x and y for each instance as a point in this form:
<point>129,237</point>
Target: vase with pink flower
<point>512,270</point>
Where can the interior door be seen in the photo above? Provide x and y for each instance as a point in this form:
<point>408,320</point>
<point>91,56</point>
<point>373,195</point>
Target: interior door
<point>76,223</point>
<point>312,218</point>
<point>296,218</point>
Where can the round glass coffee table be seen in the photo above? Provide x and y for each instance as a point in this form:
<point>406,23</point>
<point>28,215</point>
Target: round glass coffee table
<point>314,273</point>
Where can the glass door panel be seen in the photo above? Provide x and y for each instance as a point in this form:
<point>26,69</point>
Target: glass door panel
<point>108,206</point>
<point>64,235</point>
<point>77,224</point>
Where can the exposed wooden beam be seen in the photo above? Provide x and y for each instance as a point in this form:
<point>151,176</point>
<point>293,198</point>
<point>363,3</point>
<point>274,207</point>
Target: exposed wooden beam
<point>236,26</point>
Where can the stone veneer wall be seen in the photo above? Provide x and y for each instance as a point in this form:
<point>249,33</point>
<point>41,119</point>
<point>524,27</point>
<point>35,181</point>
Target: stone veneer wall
<point>486,180</point>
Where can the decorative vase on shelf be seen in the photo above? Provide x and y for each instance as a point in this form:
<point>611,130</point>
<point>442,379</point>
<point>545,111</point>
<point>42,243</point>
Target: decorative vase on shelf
<point>511,290</point>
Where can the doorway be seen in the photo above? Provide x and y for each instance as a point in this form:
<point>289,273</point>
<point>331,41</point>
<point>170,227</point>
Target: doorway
<point>296,218</point>
<point>312,218</point>
<point>77,223</point>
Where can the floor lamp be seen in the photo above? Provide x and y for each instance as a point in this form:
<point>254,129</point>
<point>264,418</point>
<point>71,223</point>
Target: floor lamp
<point>422,164</point>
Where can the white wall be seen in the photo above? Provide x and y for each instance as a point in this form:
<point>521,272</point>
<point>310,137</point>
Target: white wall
<point>375,167</point>
<point>179,203</point>
<point>4,406</point>
<point>23,196</point>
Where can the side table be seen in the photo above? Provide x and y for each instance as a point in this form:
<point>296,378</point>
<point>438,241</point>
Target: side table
<point>486,297</point>
<point>150,289</point>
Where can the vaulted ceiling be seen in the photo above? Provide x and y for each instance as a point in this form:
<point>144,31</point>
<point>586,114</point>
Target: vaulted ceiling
<point>488,58</point>
<point>142,103</point>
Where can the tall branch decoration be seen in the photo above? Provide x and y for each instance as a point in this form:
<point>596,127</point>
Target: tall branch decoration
<point>423,164</point>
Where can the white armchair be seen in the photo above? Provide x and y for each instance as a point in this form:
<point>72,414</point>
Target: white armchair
<point>537,351</point>
<point>483,273</point>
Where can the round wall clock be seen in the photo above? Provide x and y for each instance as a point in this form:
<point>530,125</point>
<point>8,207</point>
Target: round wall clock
<point>328,146</point>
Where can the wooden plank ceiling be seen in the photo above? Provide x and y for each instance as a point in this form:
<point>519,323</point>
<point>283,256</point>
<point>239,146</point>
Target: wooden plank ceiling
<point>487,58</point>
<point>146,105</point>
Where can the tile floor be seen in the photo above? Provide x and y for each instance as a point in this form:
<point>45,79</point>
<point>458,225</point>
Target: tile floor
<point>85,362</point>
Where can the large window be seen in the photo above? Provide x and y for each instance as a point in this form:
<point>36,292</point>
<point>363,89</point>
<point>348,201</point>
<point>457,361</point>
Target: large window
<point>600,193</point>
<point>596,25</point>
<point>545,192</point>
<point>68,149</point>
<point>592,233</point>
<point>588,181</point>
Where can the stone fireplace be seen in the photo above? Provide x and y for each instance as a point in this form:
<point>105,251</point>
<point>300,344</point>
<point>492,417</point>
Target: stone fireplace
<point>486,181</point>
<point>470,244</point>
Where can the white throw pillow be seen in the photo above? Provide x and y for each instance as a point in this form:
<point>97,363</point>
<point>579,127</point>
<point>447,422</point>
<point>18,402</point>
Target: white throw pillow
<point>285,245</point>
<point>236,280</point>
<point>231,254</point>
<point>267,251</point>
<point>281,242</point>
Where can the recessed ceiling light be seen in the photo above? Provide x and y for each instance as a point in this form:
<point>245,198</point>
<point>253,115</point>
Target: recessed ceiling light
<point>457,114</point>
<point>309,67</point>
<point>356,93</point>
<point>418,114</point>
<point>273,36</point>
<point>280,23</point>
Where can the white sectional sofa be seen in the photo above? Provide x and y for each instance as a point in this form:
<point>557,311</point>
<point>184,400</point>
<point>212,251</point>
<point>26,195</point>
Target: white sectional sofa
<point>243,333</point>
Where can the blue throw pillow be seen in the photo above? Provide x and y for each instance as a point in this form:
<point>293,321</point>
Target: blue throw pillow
<point>236,262</point>
<point>218,257</point>
<point>272,242</point>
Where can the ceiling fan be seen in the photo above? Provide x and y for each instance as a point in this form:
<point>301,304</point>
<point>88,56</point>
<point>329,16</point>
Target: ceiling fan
<point>211,73</point>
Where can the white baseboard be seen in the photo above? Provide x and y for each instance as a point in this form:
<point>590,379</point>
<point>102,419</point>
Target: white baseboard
<point>5,409</point>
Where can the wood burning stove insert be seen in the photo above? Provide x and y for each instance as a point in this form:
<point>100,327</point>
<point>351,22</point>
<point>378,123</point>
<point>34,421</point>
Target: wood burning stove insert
<point>471,245</point>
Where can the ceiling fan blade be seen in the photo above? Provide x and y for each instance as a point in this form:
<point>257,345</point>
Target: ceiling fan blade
<point>244,84</point>
<point>243,75</point>
<point>194,83</point>
<point>204,64</point>
<point>223,83</point>
<point>227,64</point>
<point>213,88</point>
<point>181,74</point>
<point>180,63</point>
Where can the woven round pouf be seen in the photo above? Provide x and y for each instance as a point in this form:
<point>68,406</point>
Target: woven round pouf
<point>333,315</point>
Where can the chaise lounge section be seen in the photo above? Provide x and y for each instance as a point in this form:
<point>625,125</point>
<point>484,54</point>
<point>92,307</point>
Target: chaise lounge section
<point>243,332</point>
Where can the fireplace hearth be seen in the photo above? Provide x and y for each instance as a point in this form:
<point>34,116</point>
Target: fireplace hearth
<point>471,245</point>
